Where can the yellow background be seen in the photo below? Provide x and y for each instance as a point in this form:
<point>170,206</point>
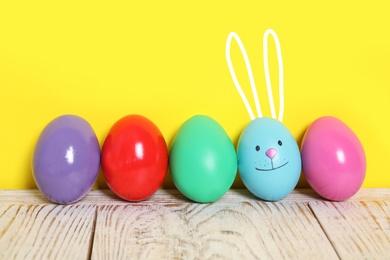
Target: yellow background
<point>166,60</point>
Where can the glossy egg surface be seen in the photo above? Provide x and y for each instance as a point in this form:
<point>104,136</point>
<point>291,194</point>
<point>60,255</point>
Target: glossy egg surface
<point>66,159</point>
<point>134,158</point>
<point>334,161</point>
<point>202,160</point>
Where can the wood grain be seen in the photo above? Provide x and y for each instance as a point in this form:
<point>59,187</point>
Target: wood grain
<point>169,226</point>
<point>357,230</point>
<point>283,230</point>
<point>46,231</point>
<point>105,197</point>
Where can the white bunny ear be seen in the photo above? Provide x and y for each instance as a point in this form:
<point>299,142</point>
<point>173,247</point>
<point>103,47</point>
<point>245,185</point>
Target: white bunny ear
<point>250,75</point>
<point>267,76</point>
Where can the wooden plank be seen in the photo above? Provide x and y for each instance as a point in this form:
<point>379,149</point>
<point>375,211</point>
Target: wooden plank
<point>249,230</point>
<point>46,231</point>
<point>357,230</point>
<point>107,197</point>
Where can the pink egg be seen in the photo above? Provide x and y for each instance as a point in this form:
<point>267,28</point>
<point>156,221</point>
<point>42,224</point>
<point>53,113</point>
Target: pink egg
<point>333,159</point>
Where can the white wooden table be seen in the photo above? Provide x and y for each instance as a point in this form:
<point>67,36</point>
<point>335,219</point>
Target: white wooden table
<point>168,226</point>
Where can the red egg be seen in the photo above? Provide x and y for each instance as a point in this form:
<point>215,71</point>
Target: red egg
<point>333,159</point>
<point>134,158</point>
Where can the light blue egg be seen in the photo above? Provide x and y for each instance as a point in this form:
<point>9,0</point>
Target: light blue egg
<point>269,161</point>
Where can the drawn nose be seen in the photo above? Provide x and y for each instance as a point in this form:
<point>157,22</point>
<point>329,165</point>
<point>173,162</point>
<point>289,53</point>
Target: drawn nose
<point>271,152</point>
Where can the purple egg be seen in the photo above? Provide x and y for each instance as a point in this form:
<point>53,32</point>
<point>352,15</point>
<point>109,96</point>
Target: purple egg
<point>66,159</point>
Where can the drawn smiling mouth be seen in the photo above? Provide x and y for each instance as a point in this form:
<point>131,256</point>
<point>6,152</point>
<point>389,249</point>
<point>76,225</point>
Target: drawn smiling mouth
<point>267,170</point>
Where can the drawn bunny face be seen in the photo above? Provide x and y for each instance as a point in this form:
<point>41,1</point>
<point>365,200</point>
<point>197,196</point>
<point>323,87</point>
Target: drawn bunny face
<point>269,161</point>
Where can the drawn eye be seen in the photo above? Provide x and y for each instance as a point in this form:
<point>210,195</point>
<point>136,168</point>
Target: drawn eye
<point>280,143</point>
<point>257,148</point>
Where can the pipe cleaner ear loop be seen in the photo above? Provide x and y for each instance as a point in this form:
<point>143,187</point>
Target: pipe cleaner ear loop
<point>250,75</point>
<point>269,160</point>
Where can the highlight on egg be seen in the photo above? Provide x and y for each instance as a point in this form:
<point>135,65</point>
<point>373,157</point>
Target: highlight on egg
<point>66,159</point>
<point>334,161</point>
<point>134,158</point>
<point>202,160</point>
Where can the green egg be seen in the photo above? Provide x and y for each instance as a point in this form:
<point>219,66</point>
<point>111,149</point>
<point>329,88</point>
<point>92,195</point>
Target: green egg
<point>202,160</point>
